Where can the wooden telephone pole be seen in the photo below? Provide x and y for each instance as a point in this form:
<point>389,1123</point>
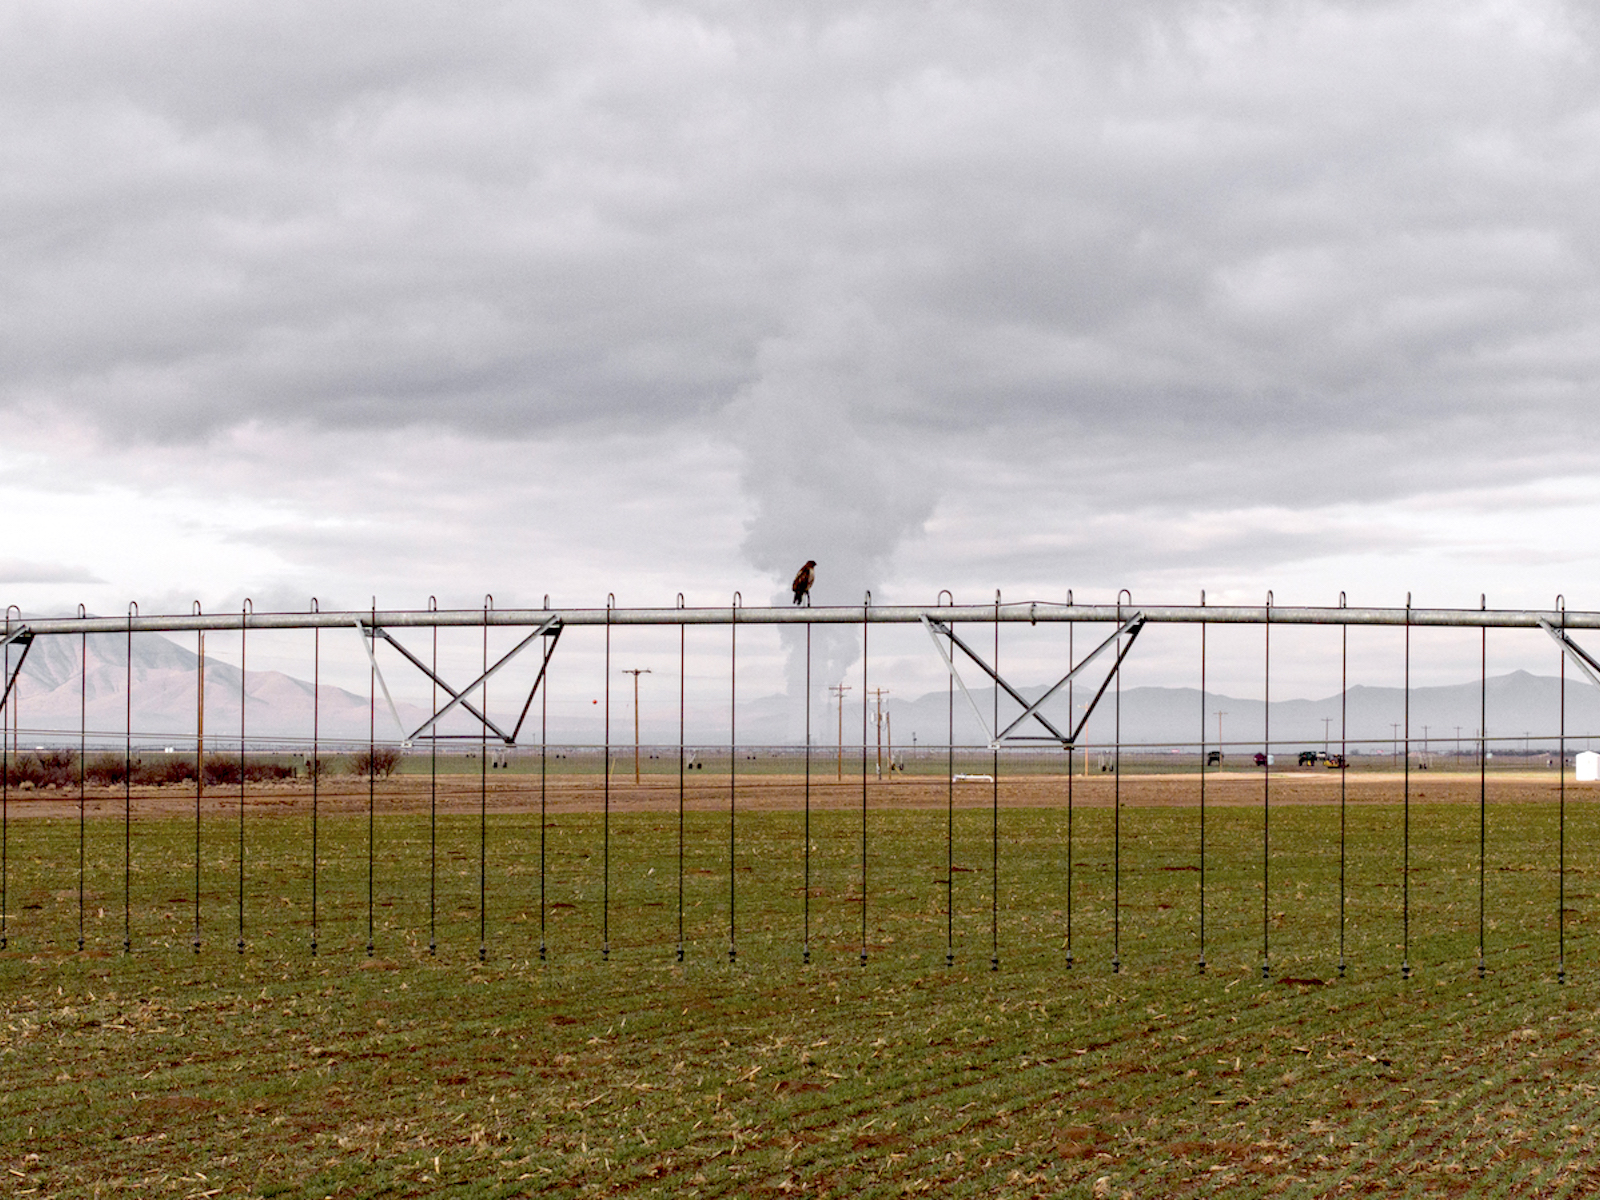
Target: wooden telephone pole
<point>877,695</point>
<point>636,672</point>
<point>837,690</point>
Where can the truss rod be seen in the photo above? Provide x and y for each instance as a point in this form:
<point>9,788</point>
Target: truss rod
<point>482,680</point>
<point>367,640</point>
<point>1584,661</point>
<point>1133,627</point>
<point>24,637</point>
<point>1129,628</point>
<point>544,667</point>
<point>456,696</point>
<point>938,629</point>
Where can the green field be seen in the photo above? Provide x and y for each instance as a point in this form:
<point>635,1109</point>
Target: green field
<point>273,1072</point>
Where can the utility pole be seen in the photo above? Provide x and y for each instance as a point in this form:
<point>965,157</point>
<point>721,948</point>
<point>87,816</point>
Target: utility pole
<point>878,694</point>
<point>636,672</point>
<point>837,691</point>
<point>1458,745</point>
<point>1220,715</point>
<point>1085,707</point>
<point>1326,721</point>
<point>1394,733</point>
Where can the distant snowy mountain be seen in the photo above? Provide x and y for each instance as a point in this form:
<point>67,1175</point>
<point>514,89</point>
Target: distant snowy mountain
<point>49,697</point>
<point>1518,704</point>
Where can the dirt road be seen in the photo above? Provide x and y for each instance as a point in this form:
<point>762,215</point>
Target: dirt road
<point>520,793</point>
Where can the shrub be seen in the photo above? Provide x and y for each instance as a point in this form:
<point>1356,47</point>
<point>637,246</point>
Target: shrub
<point>43,768</point>
<point>221,770</point>
<point>259,771</point>
<point>168,768</point>
<point>378,761</point>
<point>106,770</point>
<point>24,769</point>
<point>60,767</point>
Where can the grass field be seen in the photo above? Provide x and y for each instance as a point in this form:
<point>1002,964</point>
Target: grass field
<point>273,1072</point>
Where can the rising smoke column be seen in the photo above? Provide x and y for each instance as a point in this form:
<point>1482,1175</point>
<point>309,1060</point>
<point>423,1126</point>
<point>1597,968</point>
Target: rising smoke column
<point>829,477</point>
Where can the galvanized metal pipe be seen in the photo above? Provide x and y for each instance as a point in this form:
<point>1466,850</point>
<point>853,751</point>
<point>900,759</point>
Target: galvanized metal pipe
<point>1030,612</point>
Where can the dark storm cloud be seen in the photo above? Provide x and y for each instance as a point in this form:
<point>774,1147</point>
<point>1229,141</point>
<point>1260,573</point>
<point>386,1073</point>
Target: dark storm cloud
<point>890,253</point>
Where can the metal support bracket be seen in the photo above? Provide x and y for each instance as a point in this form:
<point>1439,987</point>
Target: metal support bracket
<point>24,638</point>
<point>1584,660</point>
<point>550,629</point>
<point>1129,629</point>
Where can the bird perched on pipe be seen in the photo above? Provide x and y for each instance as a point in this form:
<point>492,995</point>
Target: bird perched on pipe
<point>803,579</point>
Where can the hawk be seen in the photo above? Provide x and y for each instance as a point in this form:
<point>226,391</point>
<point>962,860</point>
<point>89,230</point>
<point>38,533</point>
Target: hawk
<point>803,580</point>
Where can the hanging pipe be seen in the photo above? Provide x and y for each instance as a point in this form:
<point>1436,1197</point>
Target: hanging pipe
<point>483,794</point>
<point>199,767</point>
<point>994,821</point>
<point>315,768</point>
<point>733,764</point>
<point>433,810</point>
<point>372,773</point>
<point>1202,963</point>
<point>1071,664</point>
<point>7,715</point>
<point>605,856</point>
<point>127,795</point>
<point>950,798</point>
<point>544,742</point>
<point>805,943</point>
<point>1561,810</point>
<point>1344,767</point>
<point>1116,806</point>
<point>244,633</point>
<point>1266,793</point>
<point>866,611</point>
<point>1405,869</point>
<point>683,761</point>
<point>1483,773</point>
<point>83,751</point>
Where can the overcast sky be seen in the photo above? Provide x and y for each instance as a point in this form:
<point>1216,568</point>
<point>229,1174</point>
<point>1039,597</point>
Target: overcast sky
<point>399,299</point>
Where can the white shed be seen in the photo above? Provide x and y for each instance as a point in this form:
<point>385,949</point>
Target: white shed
<point>1588,767</point>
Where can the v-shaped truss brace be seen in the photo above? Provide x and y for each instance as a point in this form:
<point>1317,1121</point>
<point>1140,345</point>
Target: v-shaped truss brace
<point>1584,660</point>
<point>21,637</point>
<point>1122,639</point>
<point>550,631</point>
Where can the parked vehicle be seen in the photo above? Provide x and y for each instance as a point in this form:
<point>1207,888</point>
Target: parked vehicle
<point>1335,762</point>
<point>1261,759</point>
<point>1214,758</point>
<point>1308,758</point>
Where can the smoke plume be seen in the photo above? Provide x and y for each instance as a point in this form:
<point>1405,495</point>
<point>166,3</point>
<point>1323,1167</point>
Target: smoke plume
<point>829,477</point>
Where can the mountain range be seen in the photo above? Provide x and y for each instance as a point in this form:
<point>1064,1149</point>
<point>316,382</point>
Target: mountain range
<point>1522,709</point>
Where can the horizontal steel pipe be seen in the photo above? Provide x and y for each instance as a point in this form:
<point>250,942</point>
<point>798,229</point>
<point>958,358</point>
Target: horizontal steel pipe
<point>1024,613</point>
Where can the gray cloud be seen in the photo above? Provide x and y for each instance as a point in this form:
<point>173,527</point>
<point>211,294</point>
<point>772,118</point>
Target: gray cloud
<point>18,570</point>
<point>1145,263</point>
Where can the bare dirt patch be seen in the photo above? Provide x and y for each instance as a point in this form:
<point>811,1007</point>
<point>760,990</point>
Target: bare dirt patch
<point>521,793</point>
